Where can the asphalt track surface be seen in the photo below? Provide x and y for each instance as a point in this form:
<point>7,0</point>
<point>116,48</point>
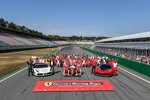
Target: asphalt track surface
<point>127,87</point>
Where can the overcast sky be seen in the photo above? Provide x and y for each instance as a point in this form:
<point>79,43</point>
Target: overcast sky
<point>79,17</point>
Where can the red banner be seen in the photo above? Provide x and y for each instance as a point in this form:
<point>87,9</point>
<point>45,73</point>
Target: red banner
<point>73,85</point>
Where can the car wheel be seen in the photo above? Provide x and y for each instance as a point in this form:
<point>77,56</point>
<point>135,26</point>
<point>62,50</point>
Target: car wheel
<point>116,74</point>
<point>95,74</point>
<point>110,75</point>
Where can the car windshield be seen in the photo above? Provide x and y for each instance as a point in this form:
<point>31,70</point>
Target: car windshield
<point>72,66</point>
<point>40,66</point>
<point>105,66</point>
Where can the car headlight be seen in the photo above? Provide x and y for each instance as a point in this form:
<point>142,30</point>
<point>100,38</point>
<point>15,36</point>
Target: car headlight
<point>36,70</point>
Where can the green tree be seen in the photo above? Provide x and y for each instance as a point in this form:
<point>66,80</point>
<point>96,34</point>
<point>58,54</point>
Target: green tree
<point>12,25</point>
<point>2,22</point>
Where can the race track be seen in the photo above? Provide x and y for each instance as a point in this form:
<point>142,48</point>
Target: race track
<point>127,87</point>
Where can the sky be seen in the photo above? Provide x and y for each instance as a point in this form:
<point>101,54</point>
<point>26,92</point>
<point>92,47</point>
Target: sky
<point>79,17</point>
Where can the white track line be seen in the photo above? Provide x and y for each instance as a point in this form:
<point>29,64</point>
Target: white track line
<point>135,75</point>
<point>13,74</point>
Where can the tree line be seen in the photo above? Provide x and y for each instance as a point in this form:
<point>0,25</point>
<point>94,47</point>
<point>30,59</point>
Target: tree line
<point>24,29</point>
<point>76,38</point>
<point>13,26</point>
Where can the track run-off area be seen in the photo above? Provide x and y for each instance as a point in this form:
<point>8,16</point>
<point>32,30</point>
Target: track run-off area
<point>128,84</point>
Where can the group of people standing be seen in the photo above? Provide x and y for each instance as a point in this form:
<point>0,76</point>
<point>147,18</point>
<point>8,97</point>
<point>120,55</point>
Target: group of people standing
<point>66,60</point>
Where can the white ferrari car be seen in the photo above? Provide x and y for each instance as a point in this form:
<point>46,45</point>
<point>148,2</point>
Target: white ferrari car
<point>42,69</point>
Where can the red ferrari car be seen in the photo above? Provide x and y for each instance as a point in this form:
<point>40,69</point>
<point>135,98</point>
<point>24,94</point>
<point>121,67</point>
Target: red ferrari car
<point>109,69</point>
<point>72,71</point>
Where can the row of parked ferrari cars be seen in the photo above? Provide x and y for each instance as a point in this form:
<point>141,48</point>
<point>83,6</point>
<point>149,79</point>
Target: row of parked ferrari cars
<point>72,65</point>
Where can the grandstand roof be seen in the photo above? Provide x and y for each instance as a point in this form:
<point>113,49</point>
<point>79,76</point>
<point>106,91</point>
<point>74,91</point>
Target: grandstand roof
<point>132,36</point>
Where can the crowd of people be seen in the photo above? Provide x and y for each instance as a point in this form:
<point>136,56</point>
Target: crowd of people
<point>61,59</point>
<point>66,60</point>
<point>123,54</point>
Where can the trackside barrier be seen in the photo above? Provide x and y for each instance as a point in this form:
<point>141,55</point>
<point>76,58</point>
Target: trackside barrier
<point>14,49</point>
<point>137,66</point>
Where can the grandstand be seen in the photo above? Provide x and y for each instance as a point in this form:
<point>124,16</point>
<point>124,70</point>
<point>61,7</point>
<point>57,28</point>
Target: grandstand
<point>138,41</point>
<point>10,39</point>
<point>139,37</point>
<point>134,46</point>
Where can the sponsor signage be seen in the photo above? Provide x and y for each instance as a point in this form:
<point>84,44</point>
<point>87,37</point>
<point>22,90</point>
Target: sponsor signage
<point>72,85</point>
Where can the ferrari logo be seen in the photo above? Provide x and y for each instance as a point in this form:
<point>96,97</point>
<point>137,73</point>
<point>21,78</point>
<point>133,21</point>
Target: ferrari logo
<point>48,84</point>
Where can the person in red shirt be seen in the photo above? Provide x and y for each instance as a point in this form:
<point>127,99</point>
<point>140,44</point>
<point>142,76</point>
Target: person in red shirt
<point>55,61</point>
<point>78,67</point>
<point>66,65</point>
